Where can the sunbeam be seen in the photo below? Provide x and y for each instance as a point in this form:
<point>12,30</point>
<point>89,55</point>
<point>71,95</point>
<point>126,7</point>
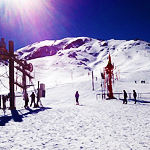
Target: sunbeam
<point>27,19</point>
<point>24,11</point>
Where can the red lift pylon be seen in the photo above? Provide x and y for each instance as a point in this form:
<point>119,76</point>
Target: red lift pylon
<point>109,76</point>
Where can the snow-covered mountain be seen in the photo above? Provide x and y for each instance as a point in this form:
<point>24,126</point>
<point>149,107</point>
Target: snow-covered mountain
<point>85,53</point>
<point>74,57</point>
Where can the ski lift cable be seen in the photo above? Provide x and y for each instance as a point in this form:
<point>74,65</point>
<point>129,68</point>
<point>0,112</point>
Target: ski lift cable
<point>2,75</point>
<point>3,84</point>
<point>6,71</point>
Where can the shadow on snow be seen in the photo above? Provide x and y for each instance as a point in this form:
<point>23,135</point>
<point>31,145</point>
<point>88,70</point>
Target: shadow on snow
<point>17,117</point>
<point>138,101</point>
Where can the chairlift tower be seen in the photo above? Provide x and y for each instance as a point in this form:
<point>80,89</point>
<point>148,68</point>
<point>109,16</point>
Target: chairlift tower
<point>23,67</point>
<point>108,70</point>
<point>11,75</point>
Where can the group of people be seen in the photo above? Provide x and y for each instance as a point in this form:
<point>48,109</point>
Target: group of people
<point>4,98</point>
<point>76,96</point>
<point>125,97</point>
<point>32,100</point>
<point>124,100</point>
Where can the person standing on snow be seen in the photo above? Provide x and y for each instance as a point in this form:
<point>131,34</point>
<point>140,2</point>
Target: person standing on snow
<point>134,95</point>
<point>32,99</point>
<point>125,97</point>
<point>77,97</point>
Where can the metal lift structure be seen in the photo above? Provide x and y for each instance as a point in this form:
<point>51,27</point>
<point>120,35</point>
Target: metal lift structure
<point>22,66</point>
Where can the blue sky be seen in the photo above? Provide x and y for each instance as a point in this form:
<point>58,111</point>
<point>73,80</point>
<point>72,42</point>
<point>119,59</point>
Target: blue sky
<point>29,21</point>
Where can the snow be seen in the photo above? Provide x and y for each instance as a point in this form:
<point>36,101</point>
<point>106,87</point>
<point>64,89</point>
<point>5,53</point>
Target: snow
<point>95,123</point>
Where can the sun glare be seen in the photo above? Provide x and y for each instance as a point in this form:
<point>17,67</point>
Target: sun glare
<point>23,11</point>
<point>32,19</point>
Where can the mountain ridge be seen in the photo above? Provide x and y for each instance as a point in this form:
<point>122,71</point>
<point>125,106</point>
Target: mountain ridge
<point>51,47</point>
<point>84,53</point>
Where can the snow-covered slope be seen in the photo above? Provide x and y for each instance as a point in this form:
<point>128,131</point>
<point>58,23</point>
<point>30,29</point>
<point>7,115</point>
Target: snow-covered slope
<point>74,57</point>
<point>64,67</point>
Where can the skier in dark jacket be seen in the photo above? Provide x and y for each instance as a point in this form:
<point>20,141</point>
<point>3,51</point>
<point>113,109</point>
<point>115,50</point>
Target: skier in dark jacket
<point>134,95</point>
<point>125,97</point>
<point>77,97</point>
<point>32,99</point>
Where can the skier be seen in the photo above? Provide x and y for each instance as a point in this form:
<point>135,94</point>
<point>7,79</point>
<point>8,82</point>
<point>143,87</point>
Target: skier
<point>77,97</point>
<point>125,97</point>
<point>32,99</point>
<point>134,95</point>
